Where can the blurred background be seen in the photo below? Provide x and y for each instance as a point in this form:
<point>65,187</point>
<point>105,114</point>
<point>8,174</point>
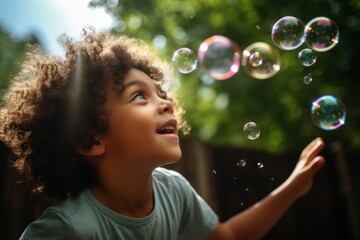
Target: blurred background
<point>229,170</point>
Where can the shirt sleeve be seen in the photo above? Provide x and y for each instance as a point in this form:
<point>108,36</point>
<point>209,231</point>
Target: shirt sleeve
<point>199,220</point>
<point>50,226</point>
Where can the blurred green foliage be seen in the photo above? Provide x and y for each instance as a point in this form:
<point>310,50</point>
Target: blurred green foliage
<point>12,53</point>
<point>218,110</point>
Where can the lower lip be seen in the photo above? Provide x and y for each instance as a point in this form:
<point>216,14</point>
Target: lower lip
<point>171,136</point>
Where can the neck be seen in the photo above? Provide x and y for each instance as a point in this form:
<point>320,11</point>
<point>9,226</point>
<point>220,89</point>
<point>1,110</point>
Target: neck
<point>129,194</point>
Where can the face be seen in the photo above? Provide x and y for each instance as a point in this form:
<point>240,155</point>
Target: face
<point>142,127</point>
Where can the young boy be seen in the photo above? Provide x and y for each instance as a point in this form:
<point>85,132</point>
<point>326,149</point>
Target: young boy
<point>93,130</point>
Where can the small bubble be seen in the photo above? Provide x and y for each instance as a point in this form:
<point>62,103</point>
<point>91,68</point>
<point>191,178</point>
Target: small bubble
<point>258,27</point>
<point>256,59</point>
<point>308,78</point>
<point>241,203</point>
<point>241,163</point>
<point>272,179</point>
<point>260,165</point>
<point>184,60</point>
<point>214,171</point>
<point>247,189</point>
<point>251,130</point>
<point>234,178</point>
<point>307,57</point>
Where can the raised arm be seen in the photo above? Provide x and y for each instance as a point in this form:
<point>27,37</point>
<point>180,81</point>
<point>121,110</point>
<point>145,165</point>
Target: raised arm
<point>256,221</point>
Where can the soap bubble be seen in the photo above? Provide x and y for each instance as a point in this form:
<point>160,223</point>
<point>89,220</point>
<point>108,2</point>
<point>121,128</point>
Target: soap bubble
<point>260,61</point>
<point>307,57</point>
<point>241,163</point>
<point>288,33</point>
<point>328,112</point>
<point>251,130</point>
<point>260,165</point>
<point>184,60</point>
<point>219,57</point>
<point>322,34</point>
<point>255,59</point>
<point>308,78</point>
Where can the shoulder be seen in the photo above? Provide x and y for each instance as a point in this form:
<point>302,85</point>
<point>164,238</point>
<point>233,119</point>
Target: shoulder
<point>50,225</point>
<point>171,184</point>
<point>61,220</point>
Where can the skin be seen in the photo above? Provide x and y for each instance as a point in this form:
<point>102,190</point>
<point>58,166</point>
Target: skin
<point>132,148</point>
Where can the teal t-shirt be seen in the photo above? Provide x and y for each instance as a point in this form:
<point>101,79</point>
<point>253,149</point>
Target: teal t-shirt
<point>179,213</point>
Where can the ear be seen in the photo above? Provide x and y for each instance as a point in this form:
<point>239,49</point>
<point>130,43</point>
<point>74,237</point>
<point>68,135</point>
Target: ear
<point>97,149</point>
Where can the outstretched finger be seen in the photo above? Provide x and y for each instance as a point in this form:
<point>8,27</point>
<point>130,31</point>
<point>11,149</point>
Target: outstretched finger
<point>312,150</point>
<point>315,165</point>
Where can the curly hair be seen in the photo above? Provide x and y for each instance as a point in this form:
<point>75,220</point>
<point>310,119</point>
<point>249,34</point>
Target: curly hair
<point>54,104</point>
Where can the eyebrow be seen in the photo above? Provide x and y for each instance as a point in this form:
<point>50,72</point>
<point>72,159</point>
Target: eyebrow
<point>135,82</point>
<point>141,83</point>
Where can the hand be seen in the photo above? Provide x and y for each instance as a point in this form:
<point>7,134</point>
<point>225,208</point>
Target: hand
<point>300,180</point>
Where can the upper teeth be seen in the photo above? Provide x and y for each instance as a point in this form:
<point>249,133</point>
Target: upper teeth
<point>167,128</point>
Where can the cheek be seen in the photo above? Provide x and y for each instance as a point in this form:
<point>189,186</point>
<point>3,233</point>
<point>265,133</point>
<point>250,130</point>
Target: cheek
<point>132,125</point>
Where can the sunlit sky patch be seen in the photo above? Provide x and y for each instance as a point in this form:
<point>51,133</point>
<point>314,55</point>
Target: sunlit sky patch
<point>48,19</point>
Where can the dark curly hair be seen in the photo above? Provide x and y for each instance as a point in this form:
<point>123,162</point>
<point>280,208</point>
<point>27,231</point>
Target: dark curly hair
<point>54,104</point>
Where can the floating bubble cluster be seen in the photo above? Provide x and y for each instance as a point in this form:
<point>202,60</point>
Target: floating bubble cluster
<point>260,61</point>
<point>288,33</point>
<point>322,34</point>
<point>251,130</point>
<point>328,112</point>
<point>307,57</point>
<point>184,60</point>
<point>219,57</point>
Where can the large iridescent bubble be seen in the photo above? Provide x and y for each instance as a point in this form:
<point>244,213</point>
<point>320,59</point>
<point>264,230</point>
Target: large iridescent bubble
<point>322,34</point>
<point>288,33</point>
<point>219,57</point>
<point>260,61</point>
<point>328,112</point>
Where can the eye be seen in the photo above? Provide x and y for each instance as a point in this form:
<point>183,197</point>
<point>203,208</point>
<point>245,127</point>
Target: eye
<point>138,96</point>
<point>163,95</point>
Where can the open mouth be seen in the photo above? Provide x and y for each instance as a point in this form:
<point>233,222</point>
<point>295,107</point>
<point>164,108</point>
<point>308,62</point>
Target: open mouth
<point>168,128</point>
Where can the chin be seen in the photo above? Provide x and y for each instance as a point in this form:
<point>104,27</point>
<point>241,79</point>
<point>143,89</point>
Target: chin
<point>174,158</point>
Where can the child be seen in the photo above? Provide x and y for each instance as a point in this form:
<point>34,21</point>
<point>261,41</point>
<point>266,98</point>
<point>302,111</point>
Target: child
<point>92,132</point>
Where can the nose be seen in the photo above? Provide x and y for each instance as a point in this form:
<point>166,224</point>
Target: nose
<point>166,106</point>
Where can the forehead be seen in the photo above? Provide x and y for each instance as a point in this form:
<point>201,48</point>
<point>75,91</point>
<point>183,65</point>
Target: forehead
<point>135,74</point>
<point>134,77</point>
